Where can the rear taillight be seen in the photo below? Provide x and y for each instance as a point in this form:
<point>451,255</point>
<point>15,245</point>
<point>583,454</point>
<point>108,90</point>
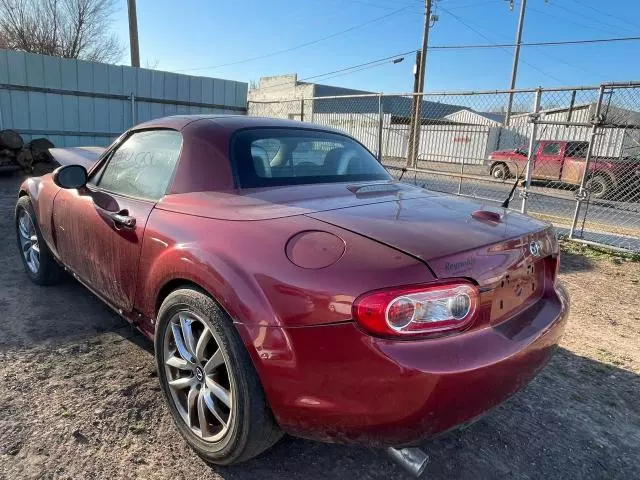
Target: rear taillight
<point>417,309</point>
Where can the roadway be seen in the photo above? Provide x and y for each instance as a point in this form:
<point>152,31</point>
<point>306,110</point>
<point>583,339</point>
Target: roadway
<point>615,223</point>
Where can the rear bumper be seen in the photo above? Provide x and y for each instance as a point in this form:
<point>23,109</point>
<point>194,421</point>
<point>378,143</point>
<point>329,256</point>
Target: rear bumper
<point>335,383</point>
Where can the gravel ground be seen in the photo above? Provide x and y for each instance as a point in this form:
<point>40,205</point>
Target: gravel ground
<point>79,396</point>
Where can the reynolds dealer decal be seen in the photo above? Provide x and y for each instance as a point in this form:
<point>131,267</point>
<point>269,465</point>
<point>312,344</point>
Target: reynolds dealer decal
<point>461,265</point>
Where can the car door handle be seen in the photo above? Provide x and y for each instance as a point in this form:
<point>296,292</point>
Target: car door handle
<point>122,219</point>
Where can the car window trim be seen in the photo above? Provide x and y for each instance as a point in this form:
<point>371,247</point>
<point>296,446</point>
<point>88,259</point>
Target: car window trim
<point>93,188</point>
<point>108,155</point>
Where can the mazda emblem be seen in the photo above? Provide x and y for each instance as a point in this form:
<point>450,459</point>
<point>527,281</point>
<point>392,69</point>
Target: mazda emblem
<point>535,248</point>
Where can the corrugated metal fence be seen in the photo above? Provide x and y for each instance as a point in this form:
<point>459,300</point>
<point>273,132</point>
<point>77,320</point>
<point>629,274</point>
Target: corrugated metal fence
<point>73,102</point>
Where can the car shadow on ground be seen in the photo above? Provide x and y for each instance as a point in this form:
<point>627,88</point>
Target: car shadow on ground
<point>44,315</point>
<point>571,262</point>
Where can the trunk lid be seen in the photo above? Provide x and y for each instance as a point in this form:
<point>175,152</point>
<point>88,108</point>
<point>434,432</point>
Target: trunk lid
<point>508,254</point>
<point>436,228</point>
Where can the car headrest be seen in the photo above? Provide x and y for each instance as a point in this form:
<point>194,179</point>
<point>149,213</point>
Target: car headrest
<point>332,160</point>
<point>260,162</point>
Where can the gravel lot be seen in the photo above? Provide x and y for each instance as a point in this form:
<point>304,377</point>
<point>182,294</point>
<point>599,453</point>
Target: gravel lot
<point>79,396</point>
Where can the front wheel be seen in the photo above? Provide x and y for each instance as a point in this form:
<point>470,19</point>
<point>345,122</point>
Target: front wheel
<point>209,382</point>
<point>36,257</point>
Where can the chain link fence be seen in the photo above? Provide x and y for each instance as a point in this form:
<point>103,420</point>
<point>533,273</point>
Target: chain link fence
<point>573,152</point>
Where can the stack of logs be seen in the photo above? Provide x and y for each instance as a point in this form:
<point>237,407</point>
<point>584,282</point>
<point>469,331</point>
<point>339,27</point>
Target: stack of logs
<point>17,155</point>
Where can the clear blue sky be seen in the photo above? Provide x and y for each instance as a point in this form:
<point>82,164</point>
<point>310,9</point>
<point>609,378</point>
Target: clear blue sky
<point>191,34</point>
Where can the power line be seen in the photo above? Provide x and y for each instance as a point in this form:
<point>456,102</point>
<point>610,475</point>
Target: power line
<point>297,47</point>
<point>348,70</point>
<point>352,71</point>
<point>571,21</point>
<point>620,19</point>
<point>473,5</point>
<point>370,3</point>
<point>502,47</point>
<point>534,44</point>
<point>419,4</point>
<point>593,20</point>
<point>380,60</point>
<point>553,57</point>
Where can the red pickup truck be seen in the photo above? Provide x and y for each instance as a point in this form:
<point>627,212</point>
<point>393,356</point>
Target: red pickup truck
<point>563,161</point>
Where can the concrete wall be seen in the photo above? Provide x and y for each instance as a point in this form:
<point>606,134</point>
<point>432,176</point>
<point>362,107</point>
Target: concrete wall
<point>285,92</point>
<point>73,102</point>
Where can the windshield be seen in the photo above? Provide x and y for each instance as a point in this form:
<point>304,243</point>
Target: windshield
<point>266,157</point>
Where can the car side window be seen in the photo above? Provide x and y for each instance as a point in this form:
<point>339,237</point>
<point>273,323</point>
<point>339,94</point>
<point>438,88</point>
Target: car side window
<point>142,165</point>
<point>551,149</point>
<point>576,150</point>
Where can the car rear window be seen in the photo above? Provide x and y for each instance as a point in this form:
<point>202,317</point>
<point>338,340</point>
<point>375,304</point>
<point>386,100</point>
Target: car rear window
<point>266,157</point>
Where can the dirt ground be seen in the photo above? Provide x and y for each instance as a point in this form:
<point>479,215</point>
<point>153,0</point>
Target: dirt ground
<point>79,397</point>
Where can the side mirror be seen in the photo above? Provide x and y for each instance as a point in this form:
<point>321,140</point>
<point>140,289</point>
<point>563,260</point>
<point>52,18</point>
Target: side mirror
<point>70,176</point>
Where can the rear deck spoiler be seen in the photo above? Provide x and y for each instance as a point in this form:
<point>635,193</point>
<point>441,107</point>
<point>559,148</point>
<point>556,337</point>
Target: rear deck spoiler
<point>85,156</point>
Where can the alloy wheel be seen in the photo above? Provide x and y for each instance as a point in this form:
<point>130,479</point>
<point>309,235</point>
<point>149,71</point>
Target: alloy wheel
<point>29,241</point>
<point>198,376</point>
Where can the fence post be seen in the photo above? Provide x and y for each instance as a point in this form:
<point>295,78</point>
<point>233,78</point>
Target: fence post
<point>582,194</point>
<point>302,110</point>
<point>380,126</point>
<point>133,109</point>
<point>530,152</point>
<point>461,173</point>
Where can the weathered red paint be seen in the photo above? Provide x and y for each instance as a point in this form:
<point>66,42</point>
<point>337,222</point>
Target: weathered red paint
<point>323,376</point>
<point>89,243</point>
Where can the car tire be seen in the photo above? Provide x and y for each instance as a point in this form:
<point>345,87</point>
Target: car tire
<point>599,186</point>
<point>38,261</point>
<point>500,171</point>
<point>250,427</point>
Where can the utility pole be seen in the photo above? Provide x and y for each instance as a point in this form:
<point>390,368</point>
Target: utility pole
<point>133,34</point>
<point>516,57</point>
<point>418,87</point>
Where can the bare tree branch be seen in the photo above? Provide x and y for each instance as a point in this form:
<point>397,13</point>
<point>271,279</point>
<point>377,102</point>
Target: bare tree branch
<point>63,28</point>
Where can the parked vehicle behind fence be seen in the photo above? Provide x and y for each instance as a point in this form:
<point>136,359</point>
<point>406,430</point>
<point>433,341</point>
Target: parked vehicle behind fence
<point>564,162</point>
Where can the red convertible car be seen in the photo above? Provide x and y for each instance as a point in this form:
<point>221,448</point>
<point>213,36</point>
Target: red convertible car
<point>291,285</point>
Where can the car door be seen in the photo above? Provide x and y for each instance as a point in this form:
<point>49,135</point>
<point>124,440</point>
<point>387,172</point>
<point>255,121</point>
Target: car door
<point>548,163</point>
<point>99,228</point>
<point>574,162</point>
